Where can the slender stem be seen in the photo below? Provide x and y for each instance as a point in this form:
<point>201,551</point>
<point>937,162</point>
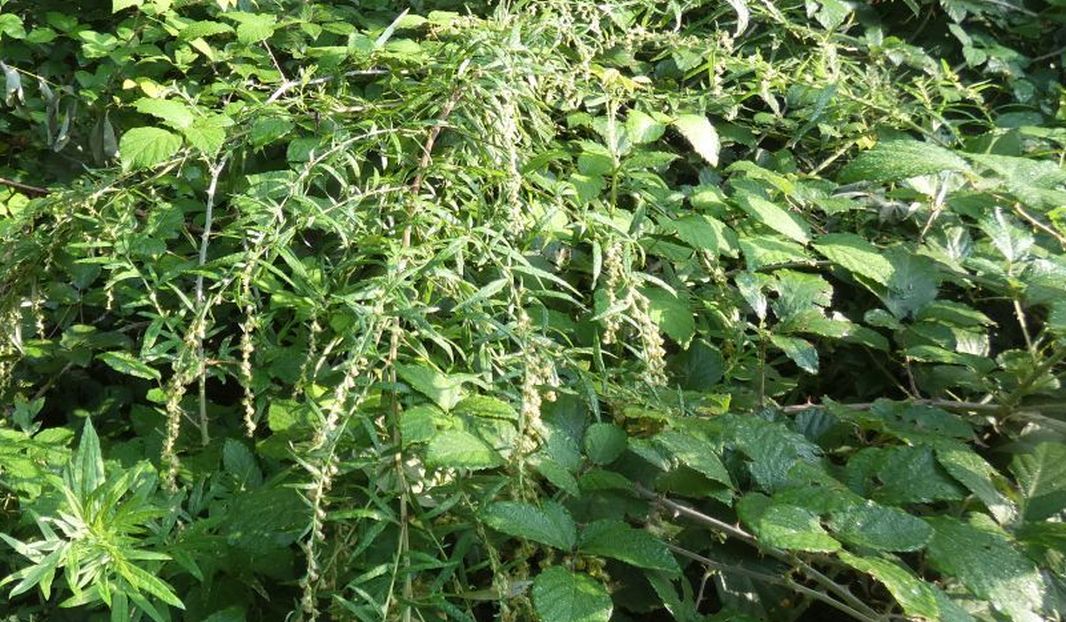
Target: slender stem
<point>1040,225</point>
<point>946,404</point>
<point>1019,313</point>
<point>205,241</point>
<point>394,351</point>
<point>784,581</point>
<point>738,533</point>
<point>28,189</point>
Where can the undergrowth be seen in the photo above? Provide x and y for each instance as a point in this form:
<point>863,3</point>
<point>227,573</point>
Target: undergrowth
<point>533,310</point>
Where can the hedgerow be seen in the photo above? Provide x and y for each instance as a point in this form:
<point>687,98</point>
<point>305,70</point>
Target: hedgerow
<point>532,310</point>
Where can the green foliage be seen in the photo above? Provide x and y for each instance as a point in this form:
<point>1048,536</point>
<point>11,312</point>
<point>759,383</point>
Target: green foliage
<point>535,310</point>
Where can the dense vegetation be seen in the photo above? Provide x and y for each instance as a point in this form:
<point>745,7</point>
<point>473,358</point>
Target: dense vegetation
<point>549,310</point>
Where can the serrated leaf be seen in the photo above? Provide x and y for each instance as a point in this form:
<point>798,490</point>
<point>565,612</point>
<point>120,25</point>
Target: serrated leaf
<point>124,362</point>
<point>784,526</point>
<point>174,113</point>
<point>617,540</point>
<point>548,524</point>
<point>917,597</point>
<point>642,128</point>
<point>893,160</point>
<point>563,596</point>
<point>705,233</point>
<point>701,135</point>
<point>144,147</point>
<point>254,27</point>
<point>774,450</point>
<point>202,29</point>
<point>777,218</point>
<point>208,134</point>
<point>694,453</point>
<point>671,313</point>
<point>444,390</point>
<point>240,462</point>
<point>559,477</point>
<point>485,406</point>
<point>855,254</point>
<point>460,449</point>
<point>914,283</point>
<point>604,442</point>
<point>976,474</point>
<point>802,353</point>
<point>880,528</point>
<point>989,566</point>
<point>1041,476</point>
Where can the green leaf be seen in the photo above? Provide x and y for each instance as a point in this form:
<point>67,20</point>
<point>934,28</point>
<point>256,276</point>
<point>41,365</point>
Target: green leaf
<point>672,313</point>
<point>989,566</point>
<point>701,135</point>
<point>976,474</point>
<point>240,462</point>
<point>174,113</point>
<point>460,449</point>
<point>604,443</point>
<point>642,128</point>
<point>774,449</point>
<point>201,29</point>
<point>485,406</point>
<point>87,464</point>
<point>144,147</point>
<point>41,573</point>
<point>881,528</point>
<point>119,5</point>
<point>444,390</point>
<point>269,129</point>
<point>784,526</point>
<point>893,160</point>
<point>777,218</point>
<point>143,580</point>
<point>799,350</point>
<point>208,134</point>
<point>417,424</point>
<point>126,363</point>
<point>705,233</point>
<point>913,285</point>
<point>695,453</point>
<point>615,539</point>
<point>855,254</point>
<point>563,596</point>
<point>1041,476</point>
<point>253,27</point>
<point>549,524</point>
<point>11,26</point>
<point>917,597</point>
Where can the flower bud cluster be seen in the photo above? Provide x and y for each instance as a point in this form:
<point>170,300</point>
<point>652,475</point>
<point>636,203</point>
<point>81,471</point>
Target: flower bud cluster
<point>615,269</point>
<point>651,341</point>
